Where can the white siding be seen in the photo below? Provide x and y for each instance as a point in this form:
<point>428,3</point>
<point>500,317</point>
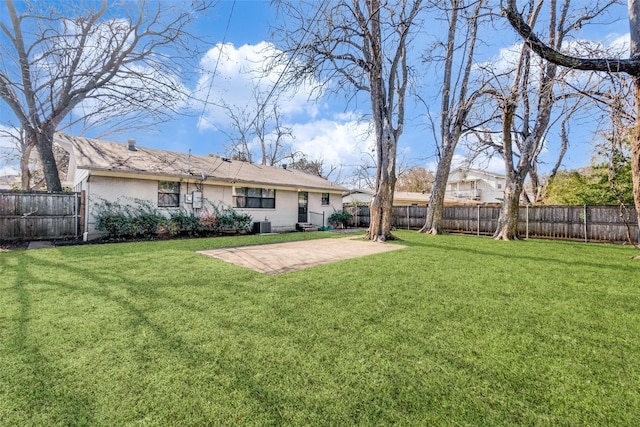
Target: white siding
<point>127,190</point>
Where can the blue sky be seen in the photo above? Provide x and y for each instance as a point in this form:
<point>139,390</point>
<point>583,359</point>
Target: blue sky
<point>328,129</point>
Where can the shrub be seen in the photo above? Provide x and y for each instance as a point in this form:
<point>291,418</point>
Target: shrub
<point>117,220</point>
<point>209,221</point>
<point>143,220</point>
<point>231,220</point>
<point>339,219</point>
<point>183,223</point>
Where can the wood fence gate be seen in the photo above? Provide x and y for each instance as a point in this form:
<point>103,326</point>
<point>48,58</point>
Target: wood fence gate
<point>38,215</point>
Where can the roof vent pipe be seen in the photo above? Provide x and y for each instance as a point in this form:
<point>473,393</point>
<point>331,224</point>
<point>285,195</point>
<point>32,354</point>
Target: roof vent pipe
<point>132,144</point>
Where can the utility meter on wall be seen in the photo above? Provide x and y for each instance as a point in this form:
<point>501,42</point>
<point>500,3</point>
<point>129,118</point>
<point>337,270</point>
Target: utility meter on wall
<point>197,200</point>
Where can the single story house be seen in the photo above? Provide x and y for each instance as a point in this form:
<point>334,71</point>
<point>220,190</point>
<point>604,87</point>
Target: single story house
<point>400,198</point>
<point>361,196</point>
<point>411,198</point>
<point>169,181</point>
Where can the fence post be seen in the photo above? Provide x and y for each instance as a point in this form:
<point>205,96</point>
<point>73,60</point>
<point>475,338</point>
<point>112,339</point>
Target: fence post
<point>527,215</point>
<point>76,212</point>
<point>584,213</point>
<point>478,216</point>
<point>408,221</point>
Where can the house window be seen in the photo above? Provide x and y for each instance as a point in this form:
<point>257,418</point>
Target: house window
<point>325,199</point>
<point>255,198</point>
<point>168,194</point>
<point>499,186</point>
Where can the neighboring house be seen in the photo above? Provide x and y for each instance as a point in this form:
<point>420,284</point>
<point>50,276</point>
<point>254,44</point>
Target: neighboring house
<point>409,198</point>
<point>171,181</point>
<point>357,197</point>
<point>400,198</point>
<point>473,185</point>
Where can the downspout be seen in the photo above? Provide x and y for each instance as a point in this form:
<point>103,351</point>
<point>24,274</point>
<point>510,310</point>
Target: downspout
<point>85,235</point>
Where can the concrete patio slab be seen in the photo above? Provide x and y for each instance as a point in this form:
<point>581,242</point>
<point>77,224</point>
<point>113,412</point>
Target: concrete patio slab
<point>283,257</point>
<point>40,244</point>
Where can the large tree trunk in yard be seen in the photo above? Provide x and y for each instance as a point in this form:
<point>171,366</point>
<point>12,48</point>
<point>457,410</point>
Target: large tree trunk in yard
<point>635,150</point>
<point>507,228</point>
<point>44,144</point>
<point>25,173</point>
<point>380,211</point>
<point>381,207</point>
<point>433,222</point>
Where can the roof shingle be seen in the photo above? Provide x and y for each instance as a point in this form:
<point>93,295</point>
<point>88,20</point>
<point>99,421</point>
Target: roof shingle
<point>98,155</point>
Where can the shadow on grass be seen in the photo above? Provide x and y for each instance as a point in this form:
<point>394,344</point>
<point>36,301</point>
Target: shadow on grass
<point>38,386</point>
<point>519,251</point>
<point>45,390</point>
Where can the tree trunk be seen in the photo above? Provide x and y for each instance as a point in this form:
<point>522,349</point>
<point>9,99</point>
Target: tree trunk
<point>635,150</point>
<point>380,211</point>
<point>508,221</point>
<point>433,222</point>
<point>44,144</point>
<point>381,207</point>
<point>25,173</point>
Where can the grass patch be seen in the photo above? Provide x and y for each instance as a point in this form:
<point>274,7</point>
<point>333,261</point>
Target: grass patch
<point>452,330</point>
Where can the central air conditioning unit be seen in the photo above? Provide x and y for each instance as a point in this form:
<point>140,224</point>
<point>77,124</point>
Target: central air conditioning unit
<point>262,227</point>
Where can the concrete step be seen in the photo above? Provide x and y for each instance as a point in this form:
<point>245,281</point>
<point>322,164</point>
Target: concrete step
<point>306,226</point>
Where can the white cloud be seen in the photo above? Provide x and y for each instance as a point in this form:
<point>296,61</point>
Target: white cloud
<point>7,141</point>
<point>9,171</point>
<point>506,61</point>
<point>336,143</point>
<point>237,77</point>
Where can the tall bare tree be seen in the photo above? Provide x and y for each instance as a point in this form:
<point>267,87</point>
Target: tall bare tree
<point>629,66</point>
<point>258,129</point>
<point>96,58</point>
<point>360,45</point>
<point>17,149</point>
<point>456,99</point>
<point>528,105</point>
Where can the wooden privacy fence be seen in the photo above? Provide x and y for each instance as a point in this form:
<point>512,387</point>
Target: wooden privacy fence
<point>37,215</point>
<point>587,223</point>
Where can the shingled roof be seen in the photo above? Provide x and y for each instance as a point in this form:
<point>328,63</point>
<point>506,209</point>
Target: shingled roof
<point>99,155</point>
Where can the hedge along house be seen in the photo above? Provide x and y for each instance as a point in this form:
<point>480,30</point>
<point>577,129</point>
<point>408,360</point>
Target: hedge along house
<point>170,181</point>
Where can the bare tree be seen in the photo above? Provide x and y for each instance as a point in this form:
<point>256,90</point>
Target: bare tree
<point>362,46</point>
<point>415,179</point>
<point>456,99</point>
<point>629,66</point>
<point>17,149</point>
<point>258,130</point>
<point>95,58</point>
<point>527,105</point>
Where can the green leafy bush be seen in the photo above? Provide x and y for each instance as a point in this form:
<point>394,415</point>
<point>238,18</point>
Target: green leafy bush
<point>230,220</point>
<point>117,220</point>
<point>339,219</point>
<point>145,220</point>
<point>140,219</point>
<point>183,223</point>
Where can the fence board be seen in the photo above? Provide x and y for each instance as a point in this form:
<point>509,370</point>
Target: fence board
<point>39,215</point>
<point>587,223</point>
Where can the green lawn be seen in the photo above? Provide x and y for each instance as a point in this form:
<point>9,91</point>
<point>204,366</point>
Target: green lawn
<point>451,331</point>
